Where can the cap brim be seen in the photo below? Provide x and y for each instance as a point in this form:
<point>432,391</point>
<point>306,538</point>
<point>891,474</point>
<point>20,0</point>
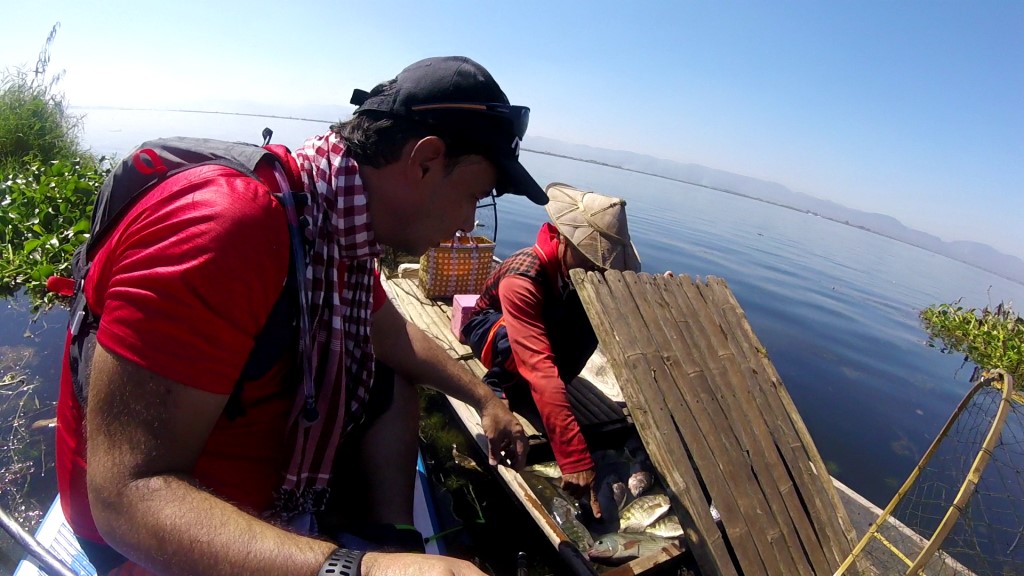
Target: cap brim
<point>514,179</point>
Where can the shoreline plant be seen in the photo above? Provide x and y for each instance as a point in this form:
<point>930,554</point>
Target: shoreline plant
<point>47,180</point>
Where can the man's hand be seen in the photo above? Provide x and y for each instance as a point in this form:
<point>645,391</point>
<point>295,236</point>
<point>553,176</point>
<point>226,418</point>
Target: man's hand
<point>580,485</point>
<point>506,439</point>
<point>418,358</point>
<point>393,564</point>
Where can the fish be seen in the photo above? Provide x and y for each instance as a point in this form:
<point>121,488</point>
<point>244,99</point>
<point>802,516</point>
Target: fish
<point>547,470</point>
<point>43,424</point>
<point>616,548</point>
<point>546,491</point>
<point>642,512</point>
<point>463,460</point>
<point>639,482</point>
<point>619,493</point>
<point>565,516</point>
<point>667,527</point>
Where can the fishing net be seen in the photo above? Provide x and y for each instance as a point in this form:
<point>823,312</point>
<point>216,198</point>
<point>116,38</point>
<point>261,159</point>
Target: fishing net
<point>962,509</point>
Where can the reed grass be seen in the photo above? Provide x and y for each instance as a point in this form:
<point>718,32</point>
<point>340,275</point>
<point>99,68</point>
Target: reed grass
<point>35,120</point>
<point>47,181</point>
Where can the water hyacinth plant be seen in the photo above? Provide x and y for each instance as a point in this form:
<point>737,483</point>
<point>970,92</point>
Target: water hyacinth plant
<point>44,216</point>
<point>992,337</point>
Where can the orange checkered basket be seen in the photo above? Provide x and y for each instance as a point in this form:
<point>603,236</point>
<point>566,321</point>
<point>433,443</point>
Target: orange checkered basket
<point>457,267</point>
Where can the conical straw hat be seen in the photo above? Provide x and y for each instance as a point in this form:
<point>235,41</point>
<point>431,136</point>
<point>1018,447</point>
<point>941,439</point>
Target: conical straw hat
<point>595,224</point>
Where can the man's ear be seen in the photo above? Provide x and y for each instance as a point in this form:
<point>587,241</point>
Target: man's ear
<point>427,158</point>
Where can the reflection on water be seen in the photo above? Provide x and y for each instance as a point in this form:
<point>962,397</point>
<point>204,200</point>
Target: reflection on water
<point>28,390</point>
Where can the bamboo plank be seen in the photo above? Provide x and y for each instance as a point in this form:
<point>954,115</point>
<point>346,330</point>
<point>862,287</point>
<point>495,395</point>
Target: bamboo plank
<point>704,419</point>
<point>667,452</point>
<point>761,507</point>
<point>802,455</point>
<point>770,468</point>
<point>655,326</point>
<point>784,439</point>
<point>776,484</point>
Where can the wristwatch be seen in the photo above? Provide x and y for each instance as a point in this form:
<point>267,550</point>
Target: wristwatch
<point>342,562</point>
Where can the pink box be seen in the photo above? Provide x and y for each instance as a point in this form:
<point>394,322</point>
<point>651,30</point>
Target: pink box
<point>462,305</point>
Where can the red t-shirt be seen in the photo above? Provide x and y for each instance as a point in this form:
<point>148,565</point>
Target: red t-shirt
<point>183,284</point>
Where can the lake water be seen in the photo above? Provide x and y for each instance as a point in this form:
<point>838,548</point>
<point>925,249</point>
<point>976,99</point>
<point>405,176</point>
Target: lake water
<point>835,306</point>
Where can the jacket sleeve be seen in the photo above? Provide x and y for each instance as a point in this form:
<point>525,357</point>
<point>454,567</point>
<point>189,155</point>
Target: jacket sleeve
<point>521,303</point>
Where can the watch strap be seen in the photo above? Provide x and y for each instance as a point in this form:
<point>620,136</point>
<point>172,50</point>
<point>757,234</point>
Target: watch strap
<point>342,562</point>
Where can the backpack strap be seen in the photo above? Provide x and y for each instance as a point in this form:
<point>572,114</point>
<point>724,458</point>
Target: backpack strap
<point>280,332</point>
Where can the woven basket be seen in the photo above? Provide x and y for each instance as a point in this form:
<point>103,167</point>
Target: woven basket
<point>457,267</point>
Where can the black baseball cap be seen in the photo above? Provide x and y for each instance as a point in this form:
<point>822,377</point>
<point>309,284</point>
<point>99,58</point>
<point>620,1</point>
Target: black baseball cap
<point>456,91</point>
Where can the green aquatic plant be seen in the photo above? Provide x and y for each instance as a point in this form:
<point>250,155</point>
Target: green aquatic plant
<point>44,215</point>
<point>991,338</point>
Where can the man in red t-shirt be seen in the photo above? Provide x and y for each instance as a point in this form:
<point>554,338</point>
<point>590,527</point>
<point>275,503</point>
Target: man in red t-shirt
<point>154,477</point>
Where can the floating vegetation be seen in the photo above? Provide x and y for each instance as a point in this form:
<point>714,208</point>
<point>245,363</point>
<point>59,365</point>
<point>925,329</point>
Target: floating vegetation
<point>991,338</point>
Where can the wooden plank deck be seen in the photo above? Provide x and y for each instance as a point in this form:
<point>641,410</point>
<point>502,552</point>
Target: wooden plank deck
<point>718,424</point>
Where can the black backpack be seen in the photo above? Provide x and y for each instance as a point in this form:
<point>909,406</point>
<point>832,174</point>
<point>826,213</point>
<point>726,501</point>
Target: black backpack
<point>145,167</point>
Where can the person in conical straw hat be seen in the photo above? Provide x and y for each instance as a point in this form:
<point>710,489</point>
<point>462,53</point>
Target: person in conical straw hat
<point>529,327</point>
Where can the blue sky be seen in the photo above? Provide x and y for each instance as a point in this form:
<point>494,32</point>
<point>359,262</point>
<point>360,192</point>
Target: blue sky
<point>912,109</point>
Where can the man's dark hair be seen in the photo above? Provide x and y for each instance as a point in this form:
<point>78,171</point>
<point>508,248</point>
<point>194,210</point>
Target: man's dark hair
<point>377,139</point>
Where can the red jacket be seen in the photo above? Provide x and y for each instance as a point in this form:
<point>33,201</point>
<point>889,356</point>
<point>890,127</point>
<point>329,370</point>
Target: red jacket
<point>550,336</point>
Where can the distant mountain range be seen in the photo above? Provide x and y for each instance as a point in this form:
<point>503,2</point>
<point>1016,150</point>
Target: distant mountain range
<point>976,254</point>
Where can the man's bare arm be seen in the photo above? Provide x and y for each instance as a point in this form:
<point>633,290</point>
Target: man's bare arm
<point>416,356</point>
<point>145,433</point>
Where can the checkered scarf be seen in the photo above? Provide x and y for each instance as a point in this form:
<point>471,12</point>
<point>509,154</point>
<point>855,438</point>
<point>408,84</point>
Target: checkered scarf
<point>339,317</point>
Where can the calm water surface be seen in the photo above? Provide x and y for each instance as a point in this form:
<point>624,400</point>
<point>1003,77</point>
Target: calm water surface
<point>835,306</point>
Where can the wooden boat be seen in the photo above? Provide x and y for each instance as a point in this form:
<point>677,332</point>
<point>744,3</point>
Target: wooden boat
<point>597,381</point>
<point>55,536</point>
<point>433,316</point>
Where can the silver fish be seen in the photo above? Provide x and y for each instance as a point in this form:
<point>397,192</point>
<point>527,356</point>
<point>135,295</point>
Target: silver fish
<point>546,491</point>
<point>565,516</point>
<point>616,548</point>
<point>642,512</point>
<point>547,470</point>
<point>639,482</point>
<point>667,527</point>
